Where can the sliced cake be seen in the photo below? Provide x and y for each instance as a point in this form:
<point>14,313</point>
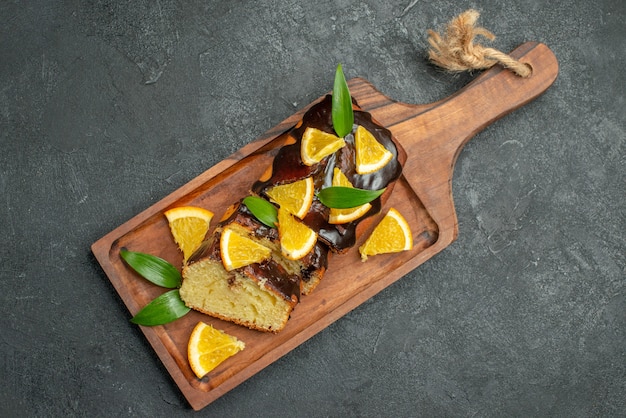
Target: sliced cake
<point>261,295</point>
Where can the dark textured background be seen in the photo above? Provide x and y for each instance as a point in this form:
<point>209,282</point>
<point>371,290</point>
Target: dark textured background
<point>108,106</point>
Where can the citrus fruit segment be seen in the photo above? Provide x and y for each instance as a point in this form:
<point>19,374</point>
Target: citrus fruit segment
<point>189,225</point>
<point>371,155</point>
<point>239,251</point>
<point>295,197</point>
<point>208,347</point>
<point>391,235</point>
<point>296,239</point>
<point>342,216</point>
<point>317,144</point>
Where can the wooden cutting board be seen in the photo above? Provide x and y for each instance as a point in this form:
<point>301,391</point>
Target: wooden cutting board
<point>432,135</point>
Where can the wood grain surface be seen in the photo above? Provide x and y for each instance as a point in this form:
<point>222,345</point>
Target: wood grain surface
<point>432,135</point>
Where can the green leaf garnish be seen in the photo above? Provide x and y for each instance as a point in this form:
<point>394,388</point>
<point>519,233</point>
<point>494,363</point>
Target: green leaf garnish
<point>162,310</point>
<point>339,197</point>
<point>342,114</point>
<point>263,210</point>
<point>152,268</point>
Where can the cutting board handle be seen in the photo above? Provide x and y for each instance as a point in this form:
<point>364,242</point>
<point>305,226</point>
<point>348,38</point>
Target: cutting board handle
<point>450,123</point>
<point>434,134</point>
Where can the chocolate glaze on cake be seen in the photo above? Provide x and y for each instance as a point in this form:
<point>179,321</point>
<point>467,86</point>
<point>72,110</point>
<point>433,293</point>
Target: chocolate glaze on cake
<point>274,275</point>
<point>288,167</point>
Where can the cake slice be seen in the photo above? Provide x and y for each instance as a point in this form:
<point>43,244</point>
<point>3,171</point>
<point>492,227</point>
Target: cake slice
<point>260,295</point>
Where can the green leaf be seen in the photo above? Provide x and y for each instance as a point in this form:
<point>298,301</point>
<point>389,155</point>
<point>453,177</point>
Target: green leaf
<point>339,197</point>
<point>153,268</point>
<point>162,310</point>
<point>263,210</point>
<point>342,114</point>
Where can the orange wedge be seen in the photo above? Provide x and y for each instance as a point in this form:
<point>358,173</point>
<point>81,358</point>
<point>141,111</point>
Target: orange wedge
<point>296,239</point>
<point>342,216</point>
<point>208,347</point>
<point>371,155</point>
<point>295,197</point>
<point>391,235</point>
<point>317,144</point>
<point>239,251</point>
<point>189,225</point>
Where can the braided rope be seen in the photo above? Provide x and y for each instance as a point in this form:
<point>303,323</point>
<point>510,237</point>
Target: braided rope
<point>456,50</point>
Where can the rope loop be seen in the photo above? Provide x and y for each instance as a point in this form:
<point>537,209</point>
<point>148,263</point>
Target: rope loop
<point>456,51</point>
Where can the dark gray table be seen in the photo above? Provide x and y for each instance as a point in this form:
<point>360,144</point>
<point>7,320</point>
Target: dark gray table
<point>106,107</point>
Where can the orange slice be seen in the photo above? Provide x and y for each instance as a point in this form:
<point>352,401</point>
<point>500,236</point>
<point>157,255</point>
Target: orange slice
<point>208,348</point>
<point>296,239</point>
<point>295,197</point>
<point>391,235</point>
<point>317,144</point>
<point>342,216</point>
<point>189,225</point>
<point>371,155</point>
<point>239,251</point>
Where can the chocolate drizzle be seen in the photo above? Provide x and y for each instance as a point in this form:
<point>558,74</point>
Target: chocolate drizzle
<point>274,275</point>
<point>288,167</point>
